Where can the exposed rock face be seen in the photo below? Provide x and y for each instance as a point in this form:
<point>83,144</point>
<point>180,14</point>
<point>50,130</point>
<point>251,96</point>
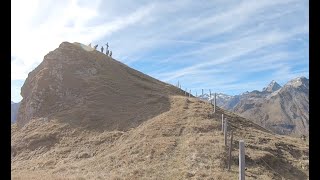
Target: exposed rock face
<point>82,86</point>
<point>273,86</point>
<point>284,110</point>
<point>14,111</point>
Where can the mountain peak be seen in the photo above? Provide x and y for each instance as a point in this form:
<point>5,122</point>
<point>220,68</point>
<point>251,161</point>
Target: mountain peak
<point>299,81</point>
<point>273,86</point>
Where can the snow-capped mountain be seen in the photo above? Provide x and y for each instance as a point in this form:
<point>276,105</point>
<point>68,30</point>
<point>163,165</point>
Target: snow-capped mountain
<point>273,86</point>
<point>284,110</point>
<point>223,100</point>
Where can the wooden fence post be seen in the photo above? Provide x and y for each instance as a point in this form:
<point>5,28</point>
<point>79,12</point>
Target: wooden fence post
<point>202,92</point>
<point>214,102</point>
<point>241,160</point>
<point>222,124</point>
<point>190,93</point>
<point>230,151</point>
<point>225,132</point>
<point>185,92</point>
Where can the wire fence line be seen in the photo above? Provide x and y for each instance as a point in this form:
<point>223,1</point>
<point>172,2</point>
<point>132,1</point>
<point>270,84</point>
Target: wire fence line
<point>227,123</point>
<point>225,129</point>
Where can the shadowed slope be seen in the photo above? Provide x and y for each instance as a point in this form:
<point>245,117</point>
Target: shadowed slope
<point>88,88</point>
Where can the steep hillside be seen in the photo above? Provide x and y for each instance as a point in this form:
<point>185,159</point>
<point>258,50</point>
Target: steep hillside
<point>87,88</point>
<point>87,116</point>
<point>183,143</point>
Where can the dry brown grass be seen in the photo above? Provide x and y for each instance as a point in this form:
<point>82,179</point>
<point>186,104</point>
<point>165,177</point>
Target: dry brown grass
<point>184,142</point>
<point>127,125</point>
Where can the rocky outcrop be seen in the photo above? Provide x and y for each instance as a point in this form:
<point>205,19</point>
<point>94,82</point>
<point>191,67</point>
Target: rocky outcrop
<point>272,87</point>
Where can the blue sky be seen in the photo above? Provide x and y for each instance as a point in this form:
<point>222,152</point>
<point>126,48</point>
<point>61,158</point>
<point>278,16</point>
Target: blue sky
<point>228,46</point>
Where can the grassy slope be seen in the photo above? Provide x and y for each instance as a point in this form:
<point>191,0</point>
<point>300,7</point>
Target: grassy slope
<point>184,142</point>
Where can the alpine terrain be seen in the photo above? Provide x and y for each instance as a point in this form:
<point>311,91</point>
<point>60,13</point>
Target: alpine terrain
<point>85,115</point>
<point>283,110</point>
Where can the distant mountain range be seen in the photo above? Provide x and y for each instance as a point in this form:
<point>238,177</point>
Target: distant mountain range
<point>284,110</point>
<point>14,111</point>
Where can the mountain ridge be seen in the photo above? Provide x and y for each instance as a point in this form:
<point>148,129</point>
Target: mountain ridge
<point>71,67</point>
<point>283,109</point>
<point>80,127</point>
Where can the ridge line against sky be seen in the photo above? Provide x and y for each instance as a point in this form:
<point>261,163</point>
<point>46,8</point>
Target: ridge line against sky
<point>227,46</point>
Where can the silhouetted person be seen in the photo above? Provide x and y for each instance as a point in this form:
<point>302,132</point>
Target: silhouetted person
<point>102,49</point>
<point>95,47</point>
<point>110,53</point>
<point>107,52</point>
<point>107,46</point>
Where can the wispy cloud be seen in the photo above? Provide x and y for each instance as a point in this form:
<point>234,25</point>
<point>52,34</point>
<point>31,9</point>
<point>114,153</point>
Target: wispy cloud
<point>66,22</point>
<point>228,45</point>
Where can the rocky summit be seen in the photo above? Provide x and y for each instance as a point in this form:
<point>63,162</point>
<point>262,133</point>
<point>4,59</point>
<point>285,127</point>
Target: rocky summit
<point>85,115</point>
<point>273,86</point>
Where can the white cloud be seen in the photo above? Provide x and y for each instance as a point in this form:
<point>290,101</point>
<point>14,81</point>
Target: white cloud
<point>185,40</point>
<point>67,22</point>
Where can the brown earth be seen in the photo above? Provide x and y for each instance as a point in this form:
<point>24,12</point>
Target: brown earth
<point>112,122</point>
<point>88,88</point>
<point>183,143</point>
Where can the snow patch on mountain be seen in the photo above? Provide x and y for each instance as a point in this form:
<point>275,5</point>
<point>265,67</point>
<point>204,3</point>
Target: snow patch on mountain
<point>273,86</point>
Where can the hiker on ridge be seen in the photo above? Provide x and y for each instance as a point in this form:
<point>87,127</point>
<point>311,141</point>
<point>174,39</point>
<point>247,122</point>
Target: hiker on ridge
<point>107,52</point>
<point>107,46</point>
<point>110,53</point>
<point>95,47</point>
<point>102,49</point>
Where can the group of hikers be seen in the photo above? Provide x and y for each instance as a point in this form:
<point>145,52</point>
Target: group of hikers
<point>108,53</point>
